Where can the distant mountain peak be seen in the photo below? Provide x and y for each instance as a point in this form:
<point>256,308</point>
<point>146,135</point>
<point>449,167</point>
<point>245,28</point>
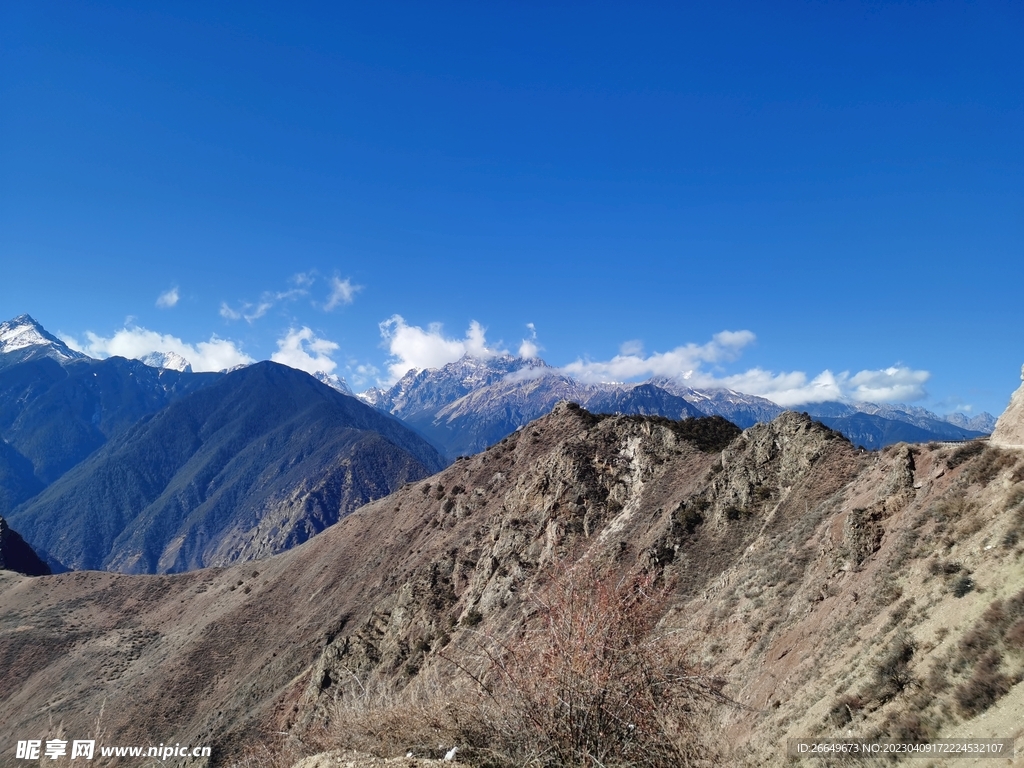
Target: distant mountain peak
<point>170,361</point>
<point>430,389</point>
<point>334,381</point>
<point>24,339</point>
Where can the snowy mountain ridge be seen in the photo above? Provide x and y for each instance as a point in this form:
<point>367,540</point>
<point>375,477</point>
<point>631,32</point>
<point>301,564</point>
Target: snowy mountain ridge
<point>168,361</point>
<point>467,404</point>
<point>24,339</point>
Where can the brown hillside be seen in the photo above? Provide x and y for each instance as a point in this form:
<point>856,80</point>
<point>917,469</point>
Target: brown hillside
<point>833,591</point>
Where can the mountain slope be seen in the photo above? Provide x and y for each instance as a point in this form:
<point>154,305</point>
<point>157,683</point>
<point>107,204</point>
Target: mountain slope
<point>424,392</point>
<point>259,461</point>
<point>742,410</point>
<point>833,593</point>
<point>55,415</point>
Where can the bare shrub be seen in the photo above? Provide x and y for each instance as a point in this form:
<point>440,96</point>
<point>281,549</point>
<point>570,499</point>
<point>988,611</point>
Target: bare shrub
<point>962,586</point>
<point>909,727</point>
<point>893,675</point>
<point>965,453</point>
<point>592,682</point>
<point>985,687</point>
<point>844,710</point>
<point>992,462</point>
<point>1014,637</point>
<point>1015,496</point>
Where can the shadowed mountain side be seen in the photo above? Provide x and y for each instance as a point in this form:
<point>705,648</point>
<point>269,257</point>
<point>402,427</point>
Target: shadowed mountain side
<point>18,481</point>
<point>54,415</point>
<point>874,432</point>
<point>16,555</point>
<point>257,462</point>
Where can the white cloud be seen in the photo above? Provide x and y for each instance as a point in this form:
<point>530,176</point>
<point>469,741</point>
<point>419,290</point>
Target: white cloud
<point>681,362</point>
<point>168,299</point>
<point>632,347</point>
<point>251,311</point>
<point>135,342</point>
<point>785,389</point>
<point>412,347</point>
<point>688,364</point>
<point>301,349</point>
<point>529,348</point>
<point>361,375</point>
<point>896,384</point>
<point>342,292</point>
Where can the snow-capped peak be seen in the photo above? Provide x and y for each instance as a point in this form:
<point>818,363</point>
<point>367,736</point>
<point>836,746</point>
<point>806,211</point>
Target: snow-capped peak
<point>334,381</point>
<point>170,361</point>
<point>26,339</point>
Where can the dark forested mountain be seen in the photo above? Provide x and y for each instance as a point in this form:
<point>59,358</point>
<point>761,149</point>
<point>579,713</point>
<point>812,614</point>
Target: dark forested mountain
<point>258,461</point>
<point>57,406</point>
<point>53,415</point>
<point>879,426</point>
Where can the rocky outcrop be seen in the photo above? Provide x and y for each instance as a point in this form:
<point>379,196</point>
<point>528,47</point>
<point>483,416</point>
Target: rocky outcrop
<point>16,555</point>
<point>1009,431</point>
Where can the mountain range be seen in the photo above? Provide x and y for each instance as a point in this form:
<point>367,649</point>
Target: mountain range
<point>467,405</point>
<point>121,465</point>
<point>115,464</point>
<point>808,589</point>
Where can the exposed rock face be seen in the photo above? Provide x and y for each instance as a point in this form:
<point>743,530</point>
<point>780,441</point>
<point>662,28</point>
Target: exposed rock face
<point>16,555</point>
<point>1009,431</point>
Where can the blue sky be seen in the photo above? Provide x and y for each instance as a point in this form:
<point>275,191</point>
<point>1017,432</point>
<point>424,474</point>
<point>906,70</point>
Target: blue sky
<point>795,198</point>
